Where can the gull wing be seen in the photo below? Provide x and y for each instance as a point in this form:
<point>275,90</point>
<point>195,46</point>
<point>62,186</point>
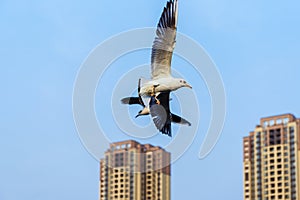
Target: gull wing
<point>179,120</point>
<point>164,43</point>
<point>131,100</point>
<point>134,100</point>
<point>140,98</point>
<point>160,113</point>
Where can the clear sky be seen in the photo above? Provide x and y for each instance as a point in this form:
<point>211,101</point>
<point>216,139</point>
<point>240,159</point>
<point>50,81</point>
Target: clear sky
<point>255,45</point>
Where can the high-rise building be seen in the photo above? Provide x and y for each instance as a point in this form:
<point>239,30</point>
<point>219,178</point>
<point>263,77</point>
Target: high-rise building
<point>271,159</point>
<point>133,171</point>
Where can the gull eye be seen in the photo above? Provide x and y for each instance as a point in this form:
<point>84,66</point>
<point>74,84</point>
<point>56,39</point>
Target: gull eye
<point>184,82</point>
<point>180,81</point>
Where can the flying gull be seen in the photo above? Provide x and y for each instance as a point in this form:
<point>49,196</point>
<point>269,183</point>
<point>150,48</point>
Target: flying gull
<point>162,82</point>
<point>146,109</point>
<point>162,51</point>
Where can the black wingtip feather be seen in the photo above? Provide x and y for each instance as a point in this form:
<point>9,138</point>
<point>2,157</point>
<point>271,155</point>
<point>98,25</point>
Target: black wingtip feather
<point>168,16</point>
<point>167,130</point>
<point>125,100</point>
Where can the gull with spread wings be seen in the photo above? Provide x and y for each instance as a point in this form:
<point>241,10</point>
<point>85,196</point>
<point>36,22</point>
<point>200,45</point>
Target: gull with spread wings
<point>161,83</point>
<point>162,52</point>
<point>146,108</point>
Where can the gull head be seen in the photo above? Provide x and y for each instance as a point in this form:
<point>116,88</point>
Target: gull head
<point>183,83</point>
<point>145,111</point>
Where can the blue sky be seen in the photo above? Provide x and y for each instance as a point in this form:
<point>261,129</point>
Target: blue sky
<point>255,45</point>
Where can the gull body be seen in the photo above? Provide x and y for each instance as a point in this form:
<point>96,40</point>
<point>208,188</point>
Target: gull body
<point>146,109</point>
<point>162,85</point>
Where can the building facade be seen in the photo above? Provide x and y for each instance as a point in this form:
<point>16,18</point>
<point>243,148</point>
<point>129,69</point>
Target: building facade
<point>133,171</point>
<point>271,159</point>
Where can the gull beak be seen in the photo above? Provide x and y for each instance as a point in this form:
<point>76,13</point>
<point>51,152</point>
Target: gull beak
<point>189,86</point>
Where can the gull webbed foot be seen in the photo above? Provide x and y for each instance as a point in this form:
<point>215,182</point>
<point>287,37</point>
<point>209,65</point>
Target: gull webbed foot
<point>157,101</point>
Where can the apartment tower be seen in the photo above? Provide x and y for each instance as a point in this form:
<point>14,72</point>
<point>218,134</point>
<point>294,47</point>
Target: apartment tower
<point>133,171</point>
<point>271,159</point>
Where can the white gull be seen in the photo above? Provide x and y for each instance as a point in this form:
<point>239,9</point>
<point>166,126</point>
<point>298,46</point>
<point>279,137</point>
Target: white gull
<point>162,51</point>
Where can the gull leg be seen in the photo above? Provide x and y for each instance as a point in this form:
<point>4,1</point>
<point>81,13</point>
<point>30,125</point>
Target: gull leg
<point>153,90</point>
<point>157,101</point>
<point>139,87</point>
<point>154,94</point>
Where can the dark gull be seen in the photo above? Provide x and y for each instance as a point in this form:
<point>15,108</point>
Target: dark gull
<point>163,99</point>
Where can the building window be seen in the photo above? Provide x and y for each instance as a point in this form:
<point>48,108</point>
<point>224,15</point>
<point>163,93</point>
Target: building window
<point>279,172</point>
<point>247,176</point>
<point>278,154</point>
<point>279,166</point>
<point>279,148</point>
<point>279,184</point>
<point>272,179</point>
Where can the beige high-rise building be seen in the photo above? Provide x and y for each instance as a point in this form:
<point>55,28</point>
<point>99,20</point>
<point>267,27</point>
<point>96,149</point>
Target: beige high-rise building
<point>133,171</point>
<point>271,159</point>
